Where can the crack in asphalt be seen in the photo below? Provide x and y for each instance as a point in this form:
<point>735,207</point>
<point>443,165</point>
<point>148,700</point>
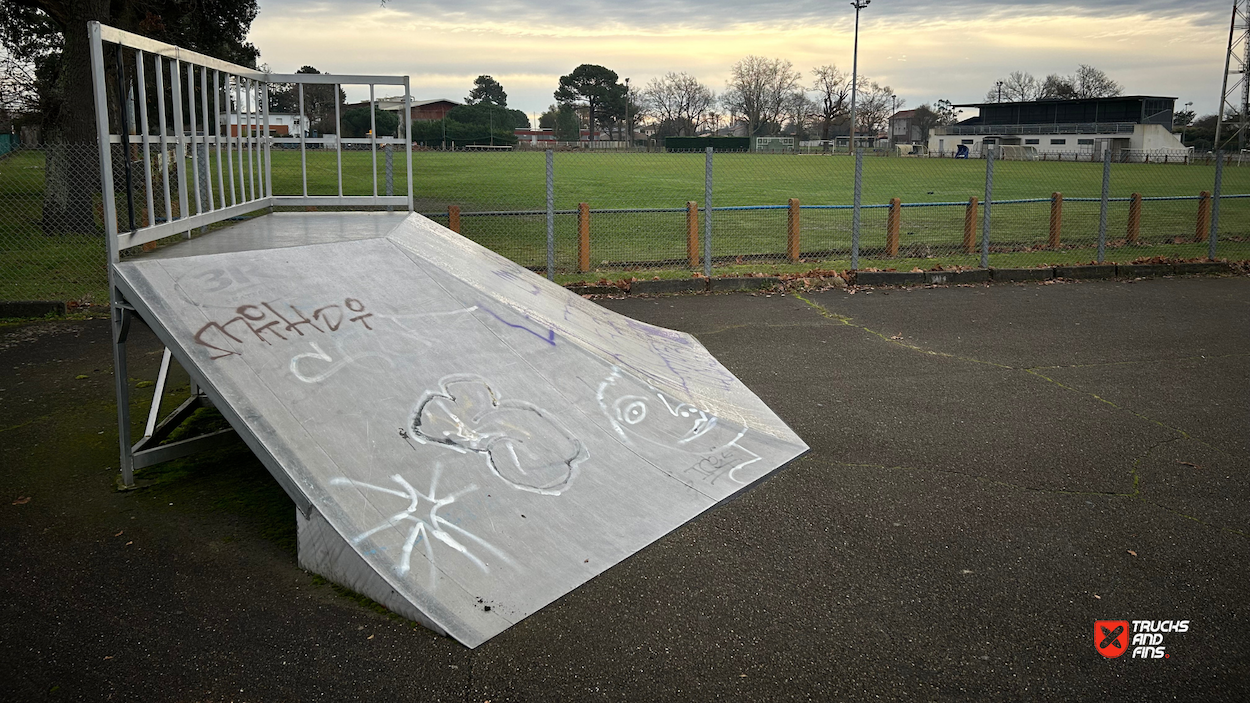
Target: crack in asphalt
<point>1031,370</point>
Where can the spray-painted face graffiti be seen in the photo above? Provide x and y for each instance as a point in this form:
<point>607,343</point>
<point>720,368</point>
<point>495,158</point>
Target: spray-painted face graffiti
<point>522,443</point>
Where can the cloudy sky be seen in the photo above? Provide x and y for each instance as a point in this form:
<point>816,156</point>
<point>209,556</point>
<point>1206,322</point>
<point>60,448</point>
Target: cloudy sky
<point>924,50</point>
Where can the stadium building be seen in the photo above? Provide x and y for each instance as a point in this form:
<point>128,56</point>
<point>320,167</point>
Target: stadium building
<point>1134,128</point>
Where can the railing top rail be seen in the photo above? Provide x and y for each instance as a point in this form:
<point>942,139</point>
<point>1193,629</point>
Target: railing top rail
<point>169,51</point>
<point>152,46</point>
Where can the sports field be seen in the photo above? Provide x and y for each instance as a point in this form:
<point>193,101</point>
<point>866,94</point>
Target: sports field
<point>41,266</point>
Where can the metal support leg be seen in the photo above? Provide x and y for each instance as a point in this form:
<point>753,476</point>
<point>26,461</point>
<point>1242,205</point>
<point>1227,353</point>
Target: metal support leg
<point>155,412</point>
<point>121,330</point>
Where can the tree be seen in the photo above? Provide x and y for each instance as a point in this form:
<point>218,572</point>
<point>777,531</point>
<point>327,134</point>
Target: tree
<point>65,84</point>
<point>758,91</point>
<point>679,101</point>
<point>1183,118</point>
<point>1089,82</point>
<point>592,85</point>
<point>319,102</point>
<point>356,122</point>
<point>1018,86</point>
<point>487,90</point>
<point>926,117</point>
<point>833,95</point>
<point>874,106</point>
<point>567,126</point>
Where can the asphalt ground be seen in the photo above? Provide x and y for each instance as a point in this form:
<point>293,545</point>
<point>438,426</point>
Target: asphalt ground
<point>993,469</point>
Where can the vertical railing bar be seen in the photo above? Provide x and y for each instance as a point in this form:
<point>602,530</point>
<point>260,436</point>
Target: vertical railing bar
<point>238,137</point>
<point>208,166</point>
<point>141,80</point>
<point>160,118</point>
<point>195,147</point>
<point>303,131</point>
<point>373,142</point>
<point>217,115</point>
<point>107,197</point>
<point>250,188</point>
<point>269,163</point>
<point>408,139</point>
<point>123,118</point>
<point>338,138</point>
<point>180,149</point>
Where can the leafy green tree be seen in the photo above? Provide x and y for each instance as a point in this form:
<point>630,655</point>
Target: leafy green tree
<point>55,30</point>
<point>356,122</point>
<point>319,102</point>
<point>487,90</point>
<point>567,125</point>
<point>594,86</point>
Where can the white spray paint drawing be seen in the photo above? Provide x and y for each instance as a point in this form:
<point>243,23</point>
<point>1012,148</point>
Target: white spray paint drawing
<point>523,444</point>
<point>647,413</point>
<point>335,366</point>
<point>428,526</point>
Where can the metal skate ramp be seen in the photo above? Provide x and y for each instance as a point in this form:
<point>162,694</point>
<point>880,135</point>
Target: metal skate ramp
<point>465,441</point>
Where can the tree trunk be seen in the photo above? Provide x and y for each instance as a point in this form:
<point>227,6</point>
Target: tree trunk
<point>72,170</point>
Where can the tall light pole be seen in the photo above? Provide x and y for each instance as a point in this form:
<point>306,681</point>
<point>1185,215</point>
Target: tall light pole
<point>1187,106</point>
<point>1000,91</point>
<point>858,5</point>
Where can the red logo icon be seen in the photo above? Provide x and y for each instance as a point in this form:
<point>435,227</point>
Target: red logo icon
<point>1111,637</point>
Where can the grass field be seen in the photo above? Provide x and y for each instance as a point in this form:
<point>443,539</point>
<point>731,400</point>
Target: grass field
<point>39,265</point>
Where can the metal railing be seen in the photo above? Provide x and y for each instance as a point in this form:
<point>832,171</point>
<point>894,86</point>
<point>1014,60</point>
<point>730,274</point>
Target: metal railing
<point>230,174</point>
<point>1056,128</point>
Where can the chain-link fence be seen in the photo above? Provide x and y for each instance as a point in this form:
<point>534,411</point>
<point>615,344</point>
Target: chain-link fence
<point>616,211</point>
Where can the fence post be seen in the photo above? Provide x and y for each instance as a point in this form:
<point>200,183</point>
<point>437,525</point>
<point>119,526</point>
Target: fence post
<point>970,225</point>
<point>859,184</point>
<point>891,228</point>
<point>707,216</point>
<point>583,237</point>
<point>453,218</point>
<point>1134,218</point>
<point>985,214</point>
<point>551,217</point>
<point>1204,216</point>
<point>1215,207</point>
<point>1056,219</point>
<point>1102,208</point>
<point>692,233</point>
<point>390,174</point>
<point>792,231</point>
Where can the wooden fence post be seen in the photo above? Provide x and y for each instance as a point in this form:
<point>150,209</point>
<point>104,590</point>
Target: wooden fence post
<point>792,231</point>
<point>970,226</point>
<point>1204,217</point>
<point>583,237</point>
<point>692,233</point>
<point>891,232</point>
<point>1056,219</point>
<point>453,218</point>
<point>1134,218</point>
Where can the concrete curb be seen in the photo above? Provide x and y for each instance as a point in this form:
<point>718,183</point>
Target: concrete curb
<point>1080,272</point>
<point>956,277</point>
<point>746,283</point>
<point>32,308</point>
<point>1008,275</point>
<point>669,285</point>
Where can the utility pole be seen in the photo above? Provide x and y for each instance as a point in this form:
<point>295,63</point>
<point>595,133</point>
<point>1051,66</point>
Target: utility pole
<point>1000,91</point>
<point>1235,99</point>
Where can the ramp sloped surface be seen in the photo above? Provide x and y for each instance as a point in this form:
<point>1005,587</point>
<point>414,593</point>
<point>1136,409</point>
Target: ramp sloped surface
<point>479,440</point>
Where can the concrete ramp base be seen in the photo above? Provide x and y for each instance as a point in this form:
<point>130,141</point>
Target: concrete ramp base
<point>466,441</point>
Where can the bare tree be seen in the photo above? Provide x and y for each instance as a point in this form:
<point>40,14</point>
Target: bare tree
<point>833,94</point>
<point>679,100</point>
<point>18,93</point>
<point>1090,82</point>
<point>1018,86</point>
<point>758,91</point>
<point>875,105</point>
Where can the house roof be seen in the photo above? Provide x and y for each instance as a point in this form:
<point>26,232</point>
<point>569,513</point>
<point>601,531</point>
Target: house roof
<point>904,114</point>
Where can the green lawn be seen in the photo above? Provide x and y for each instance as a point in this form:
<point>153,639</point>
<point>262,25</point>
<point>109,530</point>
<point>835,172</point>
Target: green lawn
<point>39,263</point>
